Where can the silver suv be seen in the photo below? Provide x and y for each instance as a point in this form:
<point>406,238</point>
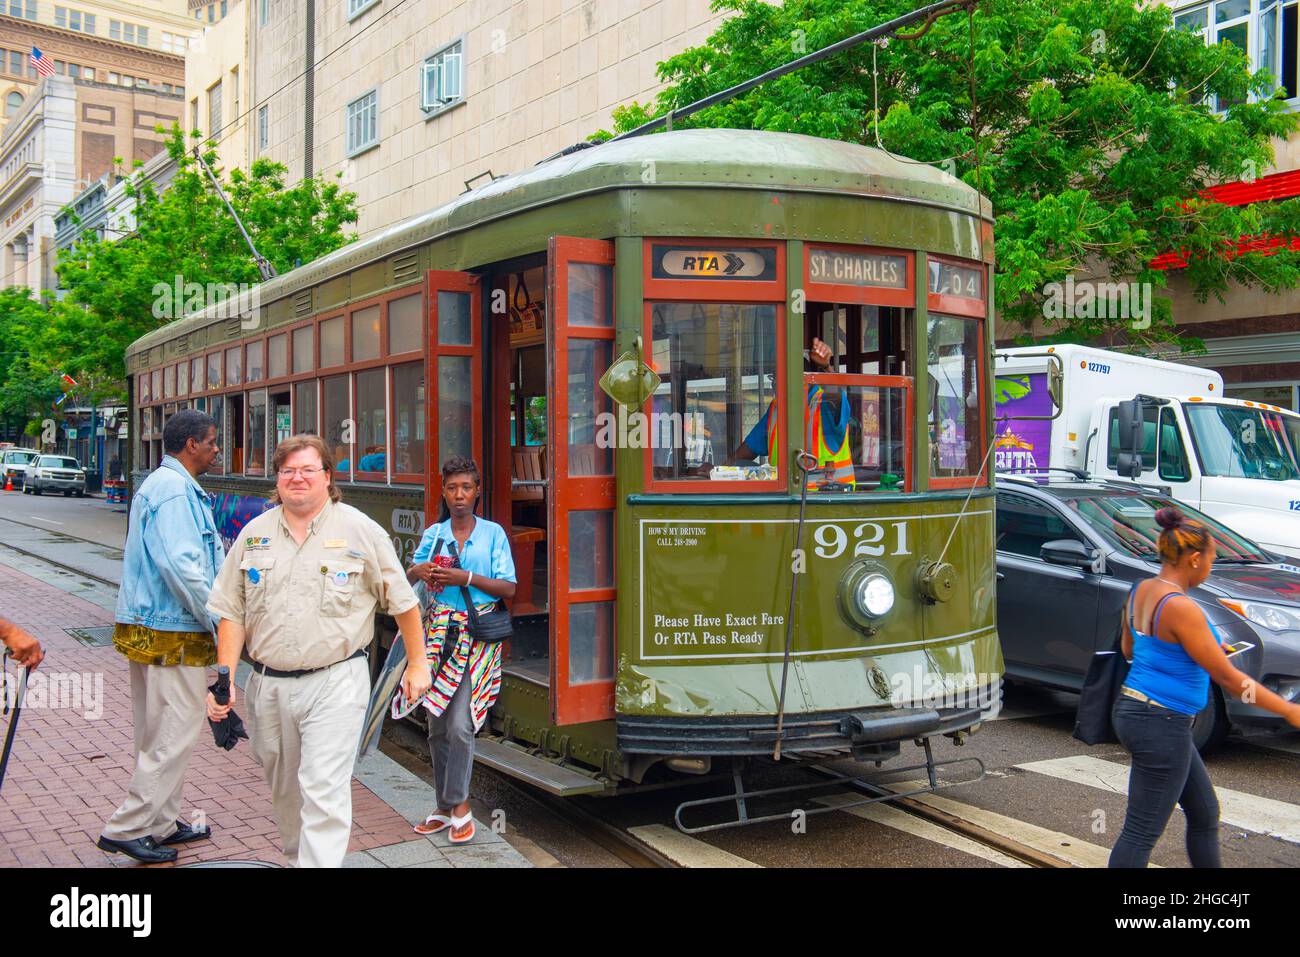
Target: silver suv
<point>55,473</point>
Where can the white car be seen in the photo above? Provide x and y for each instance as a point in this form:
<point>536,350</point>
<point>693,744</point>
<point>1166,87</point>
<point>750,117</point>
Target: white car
<point>55,473</point>
<point>13,462</point>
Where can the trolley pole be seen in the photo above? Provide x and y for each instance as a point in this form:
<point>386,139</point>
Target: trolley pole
<point>263,264</point>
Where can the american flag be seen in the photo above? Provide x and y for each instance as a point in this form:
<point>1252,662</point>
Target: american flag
<point>42,63</point>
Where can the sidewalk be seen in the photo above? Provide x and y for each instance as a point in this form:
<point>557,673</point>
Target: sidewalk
<point>71,760</point>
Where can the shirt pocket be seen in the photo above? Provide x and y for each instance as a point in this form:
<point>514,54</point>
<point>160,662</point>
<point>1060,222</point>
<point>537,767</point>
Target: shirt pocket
<point>339,586</point>
<point>258,575</point>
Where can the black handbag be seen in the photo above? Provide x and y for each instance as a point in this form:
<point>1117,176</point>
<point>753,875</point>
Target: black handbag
<point>490,627</point>
<point>1101,685</point>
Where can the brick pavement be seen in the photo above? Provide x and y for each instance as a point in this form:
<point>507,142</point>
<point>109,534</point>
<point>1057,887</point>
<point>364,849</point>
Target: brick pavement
<point>70,766</point>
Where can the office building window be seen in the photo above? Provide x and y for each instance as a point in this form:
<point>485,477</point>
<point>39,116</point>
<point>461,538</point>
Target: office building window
<point>363,123</point>
<point>26,9</point>
<point>263,128</point>
<point>358,7</point>
<point>234,94</point>
<point>263,12</point>
<point>442,79</point>
<point>16,62</point>
<point>214,110</point>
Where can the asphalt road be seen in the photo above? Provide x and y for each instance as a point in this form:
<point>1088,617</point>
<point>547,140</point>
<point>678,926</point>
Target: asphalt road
<point>1041,786</point>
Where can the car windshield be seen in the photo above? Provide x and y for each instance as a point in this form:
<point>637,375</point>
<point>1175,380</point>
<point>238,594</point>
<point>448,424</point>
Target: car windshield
<point>19,458</point>
<point>1129,522</point>
<point>58,462</point>
<point>1245,442</point>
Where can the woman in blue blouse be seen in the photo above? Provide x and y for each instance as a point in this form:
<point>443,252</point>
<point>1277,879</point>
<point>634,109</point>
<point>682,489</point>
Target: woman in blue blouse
<point>1175,653</point>
<point>474,553</point>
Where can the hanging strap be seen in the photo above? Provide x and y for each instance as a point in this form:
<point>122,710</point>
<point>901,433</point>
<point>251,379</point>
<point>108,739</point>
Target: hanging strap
<point>1155,619</point>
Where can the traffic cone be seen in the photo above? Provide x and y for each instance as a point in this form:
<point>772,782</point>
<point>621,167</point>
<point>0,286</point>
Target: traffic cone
<point>9,482</point>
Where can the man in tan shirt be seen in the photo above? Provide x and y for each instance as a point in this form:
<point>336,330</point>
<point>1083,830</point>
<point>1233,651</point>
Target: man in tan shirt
<point>301,586</point>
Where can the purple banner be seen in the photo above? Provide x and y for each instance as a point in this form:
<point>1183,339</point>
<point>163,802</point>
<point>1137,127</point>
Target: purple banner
<point>1020,445</point>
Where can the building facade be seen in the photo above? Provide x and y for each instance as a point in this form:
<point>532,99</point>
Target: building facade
<point>64,138</point>
<point>216,86</point>
<point>407,100</point>
<point>116,43</point>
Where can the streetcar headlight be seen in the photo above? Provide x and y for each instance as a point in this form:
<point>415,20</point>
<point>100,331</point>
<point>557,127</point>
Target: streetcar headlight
<point>866,596</point>
<point>875,596</point>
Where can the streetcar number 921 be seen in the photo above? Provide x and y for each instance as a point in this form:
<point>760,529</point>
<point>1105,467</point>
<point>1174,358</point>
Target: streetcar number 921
<point>869,537</point>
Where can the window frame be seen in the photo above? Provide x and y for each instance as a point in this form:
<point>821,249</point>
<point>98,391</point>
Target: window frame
<point>352,150</point>
<point>426,62</point>
<point>358,8</point>
<point>263,127</point>
<point>781,335</point>
<point>982,386</point>
<point>406,478</point>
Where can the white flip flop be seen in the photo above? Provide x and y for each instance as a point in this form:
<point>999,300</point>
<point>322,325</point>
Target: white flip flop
<point>441,820</point>
<point>459,822</point>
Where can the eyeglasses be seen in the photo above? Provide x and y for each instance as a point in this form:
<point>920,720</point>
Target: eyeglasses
<point>310,472</point>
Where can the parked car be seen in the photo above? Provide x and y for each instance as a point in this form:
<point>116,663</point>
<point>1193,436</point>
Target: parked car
<point>14,464</point>
<point>55,473</point>
<point>1068,551</point>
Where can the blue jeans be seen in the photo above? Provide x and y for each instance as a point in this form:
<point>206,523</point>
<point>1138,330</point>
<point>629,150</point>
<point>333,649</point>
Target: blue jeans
<point>1166,770</point>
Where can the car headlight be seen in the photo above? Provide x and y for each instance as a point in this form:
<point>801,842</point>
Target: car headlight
<point>1272,617</point>
<point>875,596</point>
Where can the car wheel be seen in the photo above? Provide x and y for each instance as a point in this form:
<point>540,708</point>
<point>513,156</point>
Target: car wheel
<point>67,493</point>
<point>27,490</point>
<point>81,495</point>
<point>36,490</point>
<point>1211,725</point>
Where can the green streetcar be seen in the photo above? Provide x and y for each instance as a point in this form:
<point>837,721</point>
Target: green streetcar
<point>611,334</point>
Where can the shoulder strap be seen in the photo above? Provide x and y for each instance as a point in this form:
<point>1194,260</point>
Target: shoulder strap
<point>470,610</point>
<point>1132,595</point>
<point>437,547</point>
<point>1155,619</point>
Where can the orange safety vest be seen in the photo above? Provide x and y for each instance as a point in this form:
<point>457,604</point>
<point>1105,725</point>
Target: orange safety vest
<point>840,460</point>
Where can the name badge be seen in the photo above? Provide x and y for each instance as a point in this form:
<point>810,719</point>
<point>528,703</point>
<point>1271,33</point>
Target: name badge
<point>336,543</point>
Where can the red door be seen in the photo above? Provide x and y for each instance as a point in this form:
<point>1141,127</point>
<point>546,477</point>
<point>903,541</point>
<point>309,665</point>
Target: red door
<point>580,317</point>
<point>453,379</point>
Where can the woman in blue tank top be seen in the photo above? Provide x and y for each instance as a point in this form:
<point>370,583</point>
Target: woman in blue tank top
<point>1175,654</point>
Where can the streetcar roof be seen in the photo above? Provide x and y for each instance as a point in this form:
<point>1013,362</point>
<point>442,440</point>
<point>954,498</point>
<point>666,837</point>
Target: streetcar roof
<point>752,159</point>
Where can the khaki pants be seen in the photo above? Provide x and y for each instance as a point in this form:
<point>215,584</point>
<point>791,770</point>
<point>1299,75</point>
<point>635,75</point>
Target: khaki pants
<point>305,733</point>
<point>168,709</point>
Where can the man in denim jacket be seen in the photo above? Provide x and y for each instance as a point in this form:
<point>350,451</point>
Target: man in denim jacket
<point>172,556</point>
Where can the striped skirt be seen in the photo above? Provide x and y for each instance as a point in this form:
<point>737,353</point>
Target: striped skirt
<point>476,661</point>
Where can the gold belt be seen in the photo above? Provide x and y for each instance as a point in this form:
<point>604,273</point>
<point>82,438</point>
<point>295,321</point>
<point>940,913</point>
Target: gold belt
<point>1139,696</point>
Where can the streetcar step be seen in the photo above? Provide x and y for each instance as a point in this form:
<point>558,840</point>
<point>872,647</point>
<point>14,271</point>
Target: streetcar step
<point>546,775</point>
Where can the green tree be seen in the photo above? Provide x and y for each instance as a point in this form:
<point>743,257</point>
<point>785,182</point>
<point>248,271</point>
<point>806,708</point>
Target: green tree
<point>27,369</point>
<point>186,232</point>
<point>1092,129</point>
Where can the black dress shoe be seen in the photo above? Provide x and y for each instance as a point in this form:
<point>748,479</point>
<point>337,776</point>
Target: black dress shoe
<point>143,849</point>
<point>185,833</point>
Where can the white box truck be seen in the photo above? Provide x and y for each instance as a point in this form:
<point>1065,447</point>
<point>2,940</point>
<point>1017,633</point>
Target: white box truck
<point>1237,461</point>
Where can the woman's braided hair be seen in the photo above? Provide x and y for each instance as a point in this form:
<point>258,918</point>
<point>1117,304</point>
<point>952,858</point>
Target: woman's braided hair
<point>1181,535</point>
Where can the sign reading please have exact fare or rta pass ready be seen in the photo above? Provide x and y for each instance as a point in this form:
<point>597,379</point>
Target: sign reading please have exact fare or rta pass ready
<point>715,588</point>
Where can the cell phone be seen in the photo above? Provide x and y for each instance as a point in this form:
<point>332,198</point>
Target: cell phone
<point>442,561</point>
<point>1237,647</point>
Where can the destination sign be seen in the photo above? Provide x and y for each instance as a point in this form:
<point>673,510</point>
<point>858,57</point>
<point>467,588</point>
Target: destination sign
<point>967,282</point>
<point>677,262</point>
<point>857,269</point>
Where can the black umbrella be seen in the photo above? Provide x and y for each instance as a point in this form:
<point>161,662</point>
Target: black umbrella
<point>13,721</point>
<point>229,729</point>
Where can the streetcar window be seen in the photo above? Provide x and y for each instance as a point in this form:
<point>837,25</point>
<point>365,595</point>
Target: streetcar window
<point>718,366</point>
<point>408,418</point>
<point>142,387</point>
<point>155,387</point>
<point>280,429</point>
<point>235,432</point>
<point>235,365</point>
<point>371,428</point>
<point>183,378</point>
<point>956,405</point>
<point>863,339</point>
<point>254,361</point>
<point>214,370</point>
<point>257,432</point>
<point>217,411</point>
<point>169,382</point>
<point>365,334</point>
<point>304,401</point>
<point>331,342</point>
<point>588,407</point>
<point>404,324</point>
<point>304,358</point>
<point>196,374</point>
<point>455,407</point>
<point>277,356</point>
<point>337,421</point>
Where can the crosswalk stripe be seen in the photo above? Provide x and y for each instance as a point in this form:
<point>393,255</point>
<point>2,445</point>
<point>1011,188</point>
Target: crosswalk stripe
<point>1260,814</point>
<point>684,850</point>
<point>918,827</point>
<point>1067,847</point>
